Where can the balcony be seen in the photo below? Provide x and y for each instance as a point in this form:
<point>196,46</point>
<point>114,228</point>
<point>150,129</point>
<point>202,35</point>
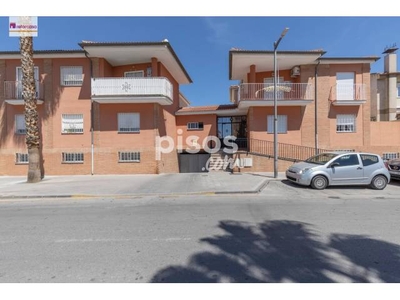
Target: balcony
<point>288,94</point>
<point>348,94</point>
<point>13,92</point>
<point>132,90</point>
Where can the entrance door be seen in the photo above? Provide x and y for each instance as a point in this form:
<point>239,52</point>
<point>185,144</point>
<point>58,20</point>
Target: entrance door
<point>345,86</point>
<point>235,126</point>
<point>18,84</point>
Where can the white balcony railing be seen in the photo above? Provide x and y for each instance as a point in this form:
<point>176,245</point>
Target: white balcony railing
<point>13,90</point>
<point>134,87</point>
<point>285,91</point>
<point>347,92</point>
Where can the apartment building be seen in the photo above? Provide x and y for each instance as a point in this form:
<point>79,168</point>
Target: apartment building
<point>108,108</point>
<point>101,108</point>
<point>385,89</point>
<point>323,103</point>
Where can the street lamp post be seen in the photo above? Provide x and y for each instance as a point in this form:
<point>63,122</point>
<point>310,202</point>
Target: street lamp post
<point>276,44</point>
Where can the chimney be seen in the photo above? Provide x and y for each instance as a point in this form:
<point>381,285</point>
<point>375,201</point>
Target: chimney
<point>390,59</point>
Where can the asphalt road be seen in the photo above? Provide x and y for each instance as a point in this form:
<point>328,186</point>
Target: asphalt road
<point>245,238</point>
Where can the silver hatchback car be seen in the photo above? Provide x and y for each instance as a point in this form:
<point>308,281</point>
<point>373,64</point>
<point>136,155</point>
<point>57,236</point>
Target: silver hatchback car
<point>338,168</point>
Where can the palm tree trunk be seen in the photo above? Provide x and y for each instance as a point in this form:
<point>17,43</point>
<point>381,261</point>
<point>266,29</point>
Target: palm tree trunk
<point>31,114</point>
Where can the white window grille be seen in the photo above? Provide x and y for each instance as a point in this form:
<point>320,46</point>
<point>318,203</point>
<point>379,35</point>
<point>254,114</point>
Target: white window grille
<point>129,156</point>
<point>71,76</point>
<point>282,124</point>
<point>390,155</point>
<point>134,74</point>
<point>72,123</point>
<point>21,158</point>
<point>128,122</point>
<point>195,125</point>
<point>20,124</point>
<point>72,157</point>
<point>346,123</point>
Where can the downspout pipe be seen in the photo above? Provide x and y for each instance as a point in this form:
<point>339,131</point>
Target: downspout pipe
<point>91,118</point>
<point>316,106</point>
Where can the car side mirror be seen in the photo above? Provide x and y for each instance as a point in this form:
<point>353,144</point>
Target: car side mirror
<point>335,164</point>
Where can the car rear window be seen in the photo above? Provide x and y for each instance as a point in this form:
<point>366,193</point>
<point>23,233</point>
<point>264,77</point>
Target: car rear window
<point>368,159</point>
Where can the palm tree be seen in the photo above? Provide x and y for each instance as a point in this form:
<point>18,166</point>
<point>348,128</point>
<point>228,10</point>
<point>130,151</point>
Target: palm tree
<point>31,114</point>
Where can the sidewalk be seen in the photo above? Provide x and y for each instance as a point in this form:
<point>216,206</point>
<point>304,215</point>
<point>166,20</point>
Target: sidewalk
<point>135,185</point>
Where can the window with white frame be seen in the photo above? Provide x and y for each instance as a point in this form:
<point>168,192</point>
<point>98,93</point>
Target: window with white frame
<point>72,76</point>
<point>282,124</point>
<point>346,123</point>
<point>134,74</point>
<point>20,124</point>
<point>21,158</point>
<point>72,158</point>
<point>72,123</point>
<point>195,126</point>
<point>128,122</point>
<point>128,156</point>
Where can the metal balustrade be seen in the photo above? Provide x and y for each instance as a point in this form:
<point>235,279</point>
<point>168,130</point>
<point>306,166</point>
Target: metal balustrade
<point>286,151</point>
<point>348,92</point>
<point>285,91</point>
<point>13,90</point>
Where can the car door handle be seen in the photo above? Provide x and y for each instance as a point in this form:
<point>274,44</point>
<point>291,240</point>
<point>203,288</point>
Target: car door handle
<point>359,168</point>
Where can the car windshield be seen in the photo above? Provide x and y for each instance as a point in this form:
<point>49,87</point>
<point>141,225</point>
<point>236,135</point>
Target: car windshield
<point>322,158</point>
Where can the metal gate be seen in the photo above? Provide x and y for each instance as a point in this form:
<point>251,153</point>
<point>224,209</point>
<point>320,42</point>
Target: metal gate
<point>193,163</point>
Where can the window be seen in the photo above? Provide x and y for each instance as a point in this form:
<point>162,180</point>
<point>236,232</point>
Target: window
<point>134,74</point>
<point>195,126</point>
<point>21,158</point>
<point>20,124</point>
<point>282,124</point>
<point>71,76</point>
<point>72,157</point>
<point>72,123</point>
<point>19,87</point>
<point>368,159</point>
<point>398,90</point>
<point>390,155</point>
<point>347,160</point>
<point>128,156</point>
<point>346,123</point>
<point>128,122</point>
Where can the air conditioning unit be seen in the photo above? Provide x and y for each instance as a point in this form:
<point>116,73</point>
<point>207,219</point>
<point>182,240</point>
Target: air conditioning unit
<point>295,71</point>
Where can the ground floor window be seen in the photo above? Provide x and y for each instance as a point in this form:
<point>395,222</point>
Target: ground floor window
<point>282,124</point>
<point>346,123</point>
<point>72,157</point>
<point>128,156</point>
<point>21,158</point>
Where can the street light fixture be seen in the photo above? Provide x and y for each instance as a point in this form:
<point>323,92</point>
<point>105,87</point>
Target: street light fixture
<point>276,44</point>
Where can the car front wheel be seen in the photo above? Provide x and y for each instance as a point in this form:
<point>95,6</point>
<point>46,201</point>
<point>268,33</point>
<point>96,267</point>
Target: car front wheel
<point>319,182</point>
<point>379,182</point>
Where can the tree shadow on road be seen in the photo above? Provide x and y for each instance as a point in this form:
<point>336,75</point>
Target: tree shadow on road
<point>286,251</point>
